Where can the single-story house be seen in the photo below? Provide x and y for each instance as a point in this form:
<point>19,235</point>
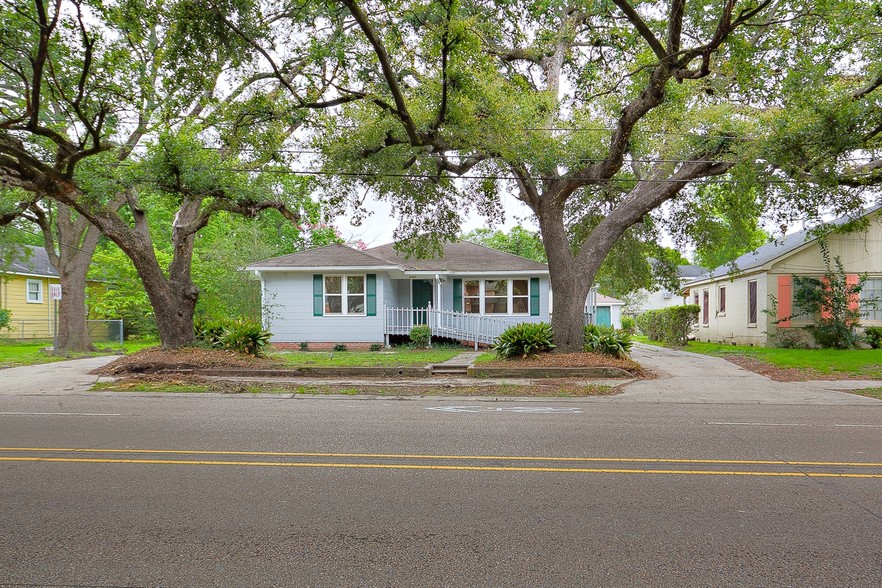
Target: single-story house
<point>337,294</point>
<point>24,291</point>
<point>736,305</point>
<point>603,310</point>
<point>663,298</point>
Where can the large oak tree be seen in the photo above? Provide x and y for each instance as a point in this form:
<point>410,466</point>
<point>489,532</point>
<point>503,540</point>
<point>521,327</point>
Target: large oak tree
<point>593,113</point>
<point>85,81</point>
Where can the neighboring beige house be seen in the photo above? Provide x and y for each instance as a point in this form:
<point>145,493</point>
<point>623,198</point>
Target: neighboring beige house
<point>734,305</point>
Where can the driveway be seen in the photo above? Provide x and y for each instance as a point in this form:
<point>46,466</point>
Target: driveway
<point>63,377</point>
<point>692,378</point>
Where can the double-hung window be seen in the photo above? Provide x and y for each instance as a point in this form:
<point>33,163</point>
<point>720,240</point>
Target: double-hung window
<point>35,291</point>
<point>496,296</point>
<point>344,295</point>
<point>871,300</point>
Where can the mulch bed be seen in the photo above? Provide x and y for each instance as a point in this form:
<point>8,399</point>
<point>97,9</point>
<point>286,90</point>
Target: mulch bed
<point>155,359</point>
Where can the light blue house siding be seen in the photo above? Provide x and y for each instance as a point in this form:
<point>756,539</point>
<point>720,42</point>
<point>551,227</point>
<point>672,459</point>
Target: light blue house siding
<point>290,315</point>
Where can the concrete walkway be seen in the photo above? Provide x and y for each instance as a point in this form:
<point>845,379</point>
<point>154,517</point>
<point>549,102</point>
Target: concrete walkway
<point>692,378</point>
<point>462,360</point>
<point>63,377</point>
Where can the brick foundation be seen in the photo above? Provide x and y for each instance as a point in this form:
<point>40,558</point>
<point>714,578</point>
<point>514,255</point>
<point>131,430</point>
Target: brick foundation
<point>324,346</point>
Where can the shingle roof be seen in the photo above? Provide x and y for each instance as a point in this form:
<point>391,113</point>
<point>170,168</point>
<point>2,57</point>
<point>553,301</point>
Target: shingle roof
<point>462,256</point>
<point>776,249</point>
<point>34,261</point>
<point>335,255</point>
<point>690,271</point>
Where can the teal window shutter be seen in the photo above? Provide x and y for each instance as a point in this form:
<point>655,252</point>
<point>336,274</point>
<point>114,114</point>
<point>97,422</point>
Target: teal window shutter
<point>457,295</point>
<point>534,296</point>
<point>318,295</point>
<point>371,291</point>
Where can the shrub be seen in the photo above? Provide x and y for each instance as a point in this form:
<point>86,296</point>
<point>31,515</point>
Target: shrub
<point>607,340</point>
<point>5,316</point>
<point>341,347</point>
<point>376,347</point>
<point>210,333</point>
<point>873,335</point>
<point>671,325</point>
<point>524,340</point>
<point>831,298</point>
<point>629,324</point>
<point>421,336</point>
<point>304,346</point>
<point>245,336</point>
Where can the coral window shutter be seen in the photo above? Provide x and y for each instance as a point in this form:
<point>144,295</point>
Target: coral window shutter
<point>854,299</point>
<point>785,300</point>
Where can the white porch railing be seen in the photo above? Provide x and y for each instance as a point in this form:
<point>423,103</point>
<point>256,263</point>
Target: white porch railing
<point>447,323</point>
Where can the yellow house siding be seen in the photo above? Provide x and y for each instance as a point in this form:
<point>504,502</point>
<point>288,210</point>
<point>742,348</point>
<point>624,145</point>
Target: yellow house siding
<point>29,320</point>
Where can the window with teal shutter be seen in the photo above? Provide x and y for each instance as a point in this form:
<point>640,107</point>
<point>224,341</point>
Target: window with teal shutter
<point>372,294</point>
<point>457,295</point>
<point>534,296</point>
<point>318,288</point>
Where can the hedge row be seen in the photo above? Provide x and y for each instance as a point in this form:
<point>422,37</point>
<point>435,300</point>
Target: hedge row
<point>669,325</point>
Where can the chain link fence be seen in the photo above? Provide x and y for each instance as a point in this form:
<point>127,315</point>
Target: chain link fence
<point>101,332</point>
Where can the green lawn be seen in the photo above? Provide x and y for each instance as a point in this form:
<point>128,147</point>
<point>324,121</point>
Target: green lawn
<point>859,362</point>
<point>397,356</point>
<point>15,353</point>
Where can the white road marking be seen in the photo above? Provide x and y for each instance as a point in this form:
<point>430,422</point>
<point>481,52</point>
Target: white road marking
<point>520,409</point>
<point>790,425</point>
<point>59,414</point>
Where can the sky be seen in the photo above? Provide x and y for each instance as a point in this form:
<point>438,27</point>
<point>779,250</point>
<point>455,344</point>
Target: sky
<point>377,229</point>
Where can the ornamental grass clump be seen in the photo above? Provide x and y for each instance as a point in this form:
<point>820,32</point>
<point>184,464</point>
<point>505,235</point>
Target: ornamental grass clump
<point>608,341</point>
<point>524,340</point>
<point>244,336</point>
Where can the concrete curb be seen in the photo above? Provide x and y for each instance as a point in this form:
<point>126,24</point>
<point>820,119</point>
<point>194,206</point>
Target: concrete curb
<point>548,372</point>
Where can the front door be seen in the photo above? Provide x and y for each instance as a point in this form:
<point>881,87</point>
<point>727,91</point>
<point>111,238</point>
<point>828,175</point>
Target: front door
<point>422,297</point>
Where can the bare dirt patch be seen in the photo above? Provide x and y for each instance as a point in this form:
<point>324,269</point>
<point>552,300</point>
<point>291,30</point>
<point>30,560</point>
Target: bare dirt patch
<point>782,374</point>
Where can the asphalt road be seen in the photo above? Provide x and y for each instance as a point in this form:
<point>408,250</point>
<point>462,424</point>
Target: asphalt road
<point>118,490</point>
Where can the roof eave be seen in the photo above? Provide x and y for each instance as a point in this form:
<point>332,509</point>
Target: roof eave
<point>337,268</point>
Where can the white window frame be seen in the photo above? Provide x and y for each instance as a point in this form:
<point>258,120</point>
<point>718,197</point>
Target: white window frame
<point>705,307</point>
<point>344,294</point>
<point>722,296</point>
<point>871,289</point>
<point>39,292</point>
<point>510,297</point>
<point>753,325</point>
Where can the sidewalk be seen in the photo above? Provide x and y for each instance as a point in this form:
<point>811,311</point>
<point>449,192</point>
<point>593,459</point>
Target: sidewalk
<point>62,377</point>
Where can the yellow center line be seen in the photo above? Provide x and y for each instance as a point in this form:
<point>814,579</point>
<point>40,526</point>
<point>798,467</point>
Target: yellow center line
<point>439,467</point>
<point>443,457</point>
